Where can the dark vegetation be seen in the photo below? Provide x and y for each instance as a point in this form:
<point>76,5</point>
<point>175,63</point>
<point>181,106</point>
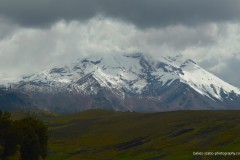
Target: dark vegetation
<point>24,139</point>
<point>109,135</point>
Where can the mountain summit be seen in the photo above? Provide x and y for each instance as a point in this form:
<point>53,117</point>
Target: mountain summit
<point>131,82</point>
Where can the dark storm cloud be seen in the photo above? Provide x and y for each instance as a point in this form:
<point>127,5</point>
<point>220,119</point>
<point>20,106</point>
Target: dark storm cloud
<point>143,13</point>
<point>44,12</point>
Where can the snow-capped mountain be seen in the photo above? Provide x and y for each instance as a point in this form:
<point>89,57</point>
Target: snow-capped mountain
<point>134,82</point>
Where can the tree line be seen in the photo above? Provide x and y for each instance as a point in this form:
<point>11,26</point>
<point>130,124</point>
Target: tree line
<point>24,139</point>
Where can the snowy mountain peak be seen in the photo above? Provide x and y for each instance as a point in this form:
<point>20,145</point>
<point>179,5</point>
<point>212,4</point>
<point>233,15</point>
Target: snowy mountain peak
<point>131,75</point>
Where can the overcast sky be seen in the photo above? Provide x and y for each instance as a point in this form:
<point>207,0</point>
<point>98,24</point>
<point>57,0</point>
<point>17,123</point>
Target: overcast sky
<point>37,34</point>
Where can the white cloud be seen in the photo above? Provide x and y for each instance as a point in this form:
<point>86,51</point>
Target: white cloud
<point>28,50</point>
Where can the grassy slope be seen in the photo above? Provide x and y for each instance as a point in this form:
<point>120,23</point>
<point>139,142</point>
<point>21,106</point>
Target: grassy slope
<point>104,135</point>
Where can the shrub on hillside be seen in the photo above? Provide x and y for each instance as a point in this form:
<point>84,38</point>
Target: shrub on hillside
<point>28,137</point>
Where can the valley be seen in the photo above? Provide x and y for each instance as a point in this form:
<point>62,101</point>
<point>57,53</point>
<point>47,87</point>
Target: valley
<point>102,135</point>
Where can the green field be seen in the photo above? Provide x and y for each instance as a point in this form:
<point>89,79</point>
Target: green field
<point>109,135</point>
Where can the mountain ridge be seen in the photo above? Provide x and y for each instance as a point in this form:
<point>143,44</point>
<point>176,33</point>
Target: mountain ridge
<point>119,81</point>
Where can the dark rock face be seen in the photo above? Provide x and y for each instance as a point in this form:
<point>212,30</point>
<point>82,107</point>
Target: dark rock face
<point>11,101</point>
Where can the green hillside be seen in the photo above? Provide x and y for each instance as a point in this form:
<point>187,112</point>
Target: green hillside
<point>109,135</point>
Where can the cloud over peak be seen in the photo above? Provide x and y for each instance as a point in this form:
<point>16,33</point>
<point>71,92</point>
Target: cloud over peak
<point>42,33</point>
